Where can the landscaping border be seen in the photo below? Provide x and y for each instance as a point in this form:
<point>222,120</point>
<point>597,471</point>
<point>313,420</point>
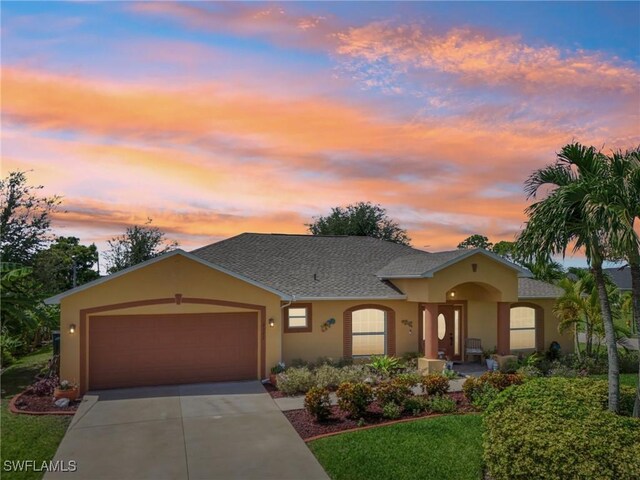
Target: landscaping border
<point>16,410</point>
<point>393,422</point>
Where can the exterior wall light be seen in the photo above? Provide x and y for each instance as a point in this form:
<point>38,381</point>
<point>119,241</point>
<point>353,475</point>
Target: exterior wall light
<point>271,322</point>
<point>72,328</point>
<point>452,294</point>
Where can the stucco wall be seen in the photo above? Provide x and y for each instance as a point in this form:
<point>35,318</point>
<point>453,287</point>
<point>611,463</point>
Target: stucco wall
<point>164,279</point>
<point>310,346</point>
<point>482,322</point>
<point>551,326</point>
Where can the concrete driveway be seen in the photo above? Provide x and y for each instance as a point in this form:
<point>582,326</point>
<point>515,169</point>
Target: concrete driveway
<point>204,431</point>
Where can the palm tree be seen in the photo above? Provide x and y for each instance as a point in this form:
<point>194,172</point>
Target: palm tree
<point>616,204</point>
<point>569,308</point>
<point>563,219</point>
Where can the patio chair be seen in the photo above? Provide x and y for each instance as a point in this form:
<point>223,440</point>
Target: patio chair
<point>473,346</point>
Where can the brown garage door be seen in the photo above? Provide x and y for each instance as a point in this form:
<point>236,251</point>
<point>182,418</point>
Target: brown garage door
<point>135,350</point>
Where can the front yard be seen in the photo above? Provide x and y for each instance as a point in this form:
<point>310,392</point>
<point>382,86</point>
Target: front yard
<point>27,437</point>
<point>433,448</point>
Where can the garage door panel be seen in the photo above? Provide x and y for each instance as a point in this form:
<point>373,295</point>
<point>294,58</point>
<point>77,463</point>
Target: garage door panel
<point>136,350</point>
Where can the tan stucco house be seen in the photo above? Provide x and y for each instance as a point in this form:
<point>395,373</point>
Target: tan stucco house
<point>233,309</point>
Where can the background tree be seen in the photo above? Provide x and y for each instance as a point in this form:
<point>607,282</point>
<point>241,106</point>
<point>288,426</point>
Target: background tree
<point>138,244</point>
<point>563,218</point>
<point>476,241</point>
<point>65,264</point>
<point>360,219</point>
<point>24,219</point>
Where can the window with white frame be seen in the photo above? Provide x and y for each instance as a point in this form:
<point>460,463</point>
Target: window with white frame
<point>369,332</point>
<point>298,318</point>
<point>523,328</point>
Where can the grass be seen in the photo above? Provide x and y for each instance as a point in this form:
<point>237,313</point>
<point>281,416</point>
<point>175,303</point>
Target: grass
<point>432,448</point>
<point>630,379</point>
<point>27,437</point>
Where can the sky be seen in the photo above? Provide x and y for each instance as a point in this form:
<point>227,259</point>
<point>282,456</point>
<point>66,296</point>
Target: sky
<point>215,119</point>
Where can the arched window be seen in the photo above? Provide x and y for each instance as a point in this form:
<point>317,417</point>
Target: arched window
<point>442,327</point>
<point>523,328</point>
<point>369,332</point>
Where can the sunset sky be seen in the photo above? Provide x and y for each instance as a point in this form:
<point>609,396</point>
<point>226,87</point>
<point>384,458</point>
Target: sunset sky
<point>219,118</point>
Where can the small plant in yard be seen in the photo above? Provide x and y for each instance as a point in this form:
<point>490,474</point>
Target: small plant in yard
<point>417,405</point>
<point>296,380</point>
<point>66,385</point>
<point>442,404</point>
<point>44,387</point>
<point>328,376</point>
<point>435,384</point>
<point>483,390</point>
<point>408,379</point>
<point>354,373</point>
<point>560,370</point>
<point>317,403</point>
<point>354,398</point>
<point>392,392</point>
<point>529,371</point>
<point>391,410</point>
<point>384,364</point>
<point>278,368</point>
<point>450,374</point>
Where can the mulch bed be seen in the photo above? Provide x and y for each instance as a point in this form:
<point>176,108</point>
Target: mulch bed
<point>35,405</point>
<point>273,391</point>
<point>307,427</point>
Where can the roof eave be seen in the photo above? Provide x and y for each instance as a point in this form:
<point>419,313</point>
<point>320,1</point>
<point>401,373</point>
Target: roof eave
<point>376,297</point>
<point>57,298</point>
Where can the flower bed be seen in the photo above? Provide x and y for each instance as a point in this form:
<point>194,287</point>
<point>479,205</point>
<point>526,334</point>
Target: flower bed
<point>31,404</point>
<point>308,428</point>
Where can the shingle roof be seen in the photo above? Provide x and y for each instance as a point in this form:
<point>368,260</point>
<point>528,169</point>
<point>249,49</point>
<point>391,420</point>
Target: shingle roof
<point>309,266</point>
<point>621,276</point>
<point>531,288</point>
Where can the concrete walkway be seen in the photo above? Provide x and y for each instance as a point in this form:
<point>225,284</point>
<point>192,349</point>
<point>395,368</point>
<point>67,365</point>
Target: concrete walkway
<point>204,431</point>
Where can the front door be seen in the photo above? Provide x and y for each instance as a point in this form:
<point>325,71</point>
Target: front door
<point>449,328</point>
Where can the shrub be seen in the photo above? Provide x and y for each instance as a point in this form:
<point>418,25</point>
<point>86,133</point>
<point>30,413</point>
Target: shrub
<point>481,391</point>
<point>529,371</point>
<point>295,380</point>
<point>629,362</point>
<point>442,404</point>
<point>510,366</point>
<point>327,376</point>
<point>450,374</point>
<point>559,428</point>
<point>391,410</point>
<point>355,374</point>
<point>435,384</point>
<point>384,364</point>
<point>417,405</point>
<point>44,387</point>
<point>392,391</point>
<point>408,379</point>
<point>560,370</point>
<point>317,403</point>
<point>354,398</point>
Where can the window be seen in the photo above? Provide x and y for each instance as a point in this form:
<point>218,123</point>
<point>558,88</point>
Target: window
<point>298,318</point>
<point>442,327</point>
<point>369,332</point>
<point>523,328</point>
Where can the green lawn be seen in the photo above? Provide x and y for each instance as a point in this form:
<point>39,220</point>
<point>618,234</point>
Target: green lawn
<point>448,447</point>
<point>630,379</point>
<point>27,437</point>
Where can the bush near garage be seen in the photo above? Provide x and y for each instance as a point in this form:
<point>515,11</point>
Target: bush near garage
<point>392,392</point>
<point>435,384</point>
<point>560,428</point>
<point>317,403</point>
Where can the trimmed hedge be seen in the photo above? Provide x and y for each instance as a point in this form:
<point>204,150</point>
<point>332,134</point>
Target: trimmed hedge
<point>559,428</point>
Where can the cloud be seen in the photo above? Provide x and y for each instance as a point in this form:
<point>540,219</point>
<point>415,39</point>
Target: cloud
<point>469,57</point>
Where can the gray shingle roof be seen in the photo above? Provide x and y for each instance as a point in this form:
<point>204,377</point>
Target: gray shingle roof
<point>620,276</point>
<point>531,288</point>
<point>309,266</point>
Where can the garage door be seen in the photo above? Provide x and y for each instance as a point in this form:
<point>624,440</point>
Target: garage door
<point>137,350</point>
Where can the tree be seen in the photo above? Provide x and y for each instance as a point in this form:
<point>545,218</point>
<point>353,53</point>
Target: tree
<point>360,219</point>
<point>24,219</point>
<point>616,205</point>
<point>476,241</point>
<point>65,264</point>
<point>505,249</point>
<point>563,218</point>
<point>138,244</point>
<point>544,268</point>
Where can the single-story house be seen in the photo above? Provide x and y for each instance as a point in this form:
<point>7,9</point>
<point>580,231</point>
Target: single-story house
<point>233,309</point>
